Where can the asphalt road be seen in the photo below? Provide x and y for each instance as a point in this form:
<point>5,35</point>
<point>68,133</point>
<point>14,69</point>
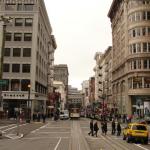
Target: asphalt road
<point>63,135</point>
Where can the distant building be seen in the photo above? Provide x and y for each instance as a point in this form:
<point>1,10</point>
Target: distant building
<point>60,88</point>
<point>91,90</point>
<point>74,96</point>
<point>28,55</point>
<point>61,74</point>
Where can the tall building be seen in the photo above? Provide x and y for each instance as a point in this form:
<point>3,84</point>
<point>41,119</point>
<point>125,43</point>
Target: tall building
<point>61,74</point>
<point>97,58</point>
<point>85,91</point>
<point>130,21</point>
<point>28,55</point>
<point>91,89</point>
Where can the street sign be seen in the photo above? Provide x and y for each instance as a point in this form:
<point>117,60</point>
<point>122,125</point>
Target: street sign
<point>3,82</point>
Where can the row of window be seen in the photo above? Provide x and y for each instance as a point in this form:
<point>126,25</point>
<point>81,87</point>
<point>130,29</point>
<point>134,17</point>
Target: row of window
<point>139,47</point>
<point>139,82</point>
<point>16,68</point>
<point>17,52</point>
<point>136,3</point>
<point>139,16</point>
<point>140,64</point>
<point>19,7</point>
<point>22,85</point>
<point>18,36</point>
<point>23,22</point>
<point>16,85</point>
<point>139,31</point>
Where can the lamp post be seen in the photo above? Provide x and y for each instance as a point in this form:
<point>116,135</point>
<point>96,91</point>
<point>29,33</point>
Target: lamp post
<point>3,21</point>
<point>28,114</point>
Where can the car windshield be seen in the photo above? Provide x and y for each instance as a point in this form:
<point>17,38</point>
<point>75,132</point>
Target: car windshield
<point>139,127</point>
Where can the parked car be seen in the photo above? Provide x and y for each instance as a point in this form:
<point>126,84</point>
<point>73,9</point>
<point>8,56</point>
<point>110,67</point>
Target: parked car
<point>64,115</point>
<point>136,131</point>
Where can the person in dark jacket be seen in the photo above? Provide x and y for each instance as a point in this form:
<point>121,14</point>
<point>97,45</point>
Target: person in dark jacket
<point>105,127</point>
<point>91,128</point>
<point>113,125</point>
<point>95,128</point>
<point>118,129</point>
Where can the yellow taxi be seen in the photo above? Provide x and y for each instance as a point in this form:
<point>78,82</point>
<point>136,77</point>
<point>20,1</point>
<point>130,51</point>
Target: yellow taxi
<point>136,131</point>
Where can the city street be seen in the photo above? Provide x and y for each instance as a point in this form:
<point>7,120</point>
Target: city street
<point>63,135</point>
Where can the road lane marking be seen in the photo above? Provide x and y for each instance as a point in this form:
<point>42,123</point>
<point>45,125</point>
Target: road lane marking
<point>36,138</point>
<point>7,126</point>
<point>13,127</point>
<point>39,128</point>
<point>138,145</point>
<point>40,132</point>
<point>57,144</point>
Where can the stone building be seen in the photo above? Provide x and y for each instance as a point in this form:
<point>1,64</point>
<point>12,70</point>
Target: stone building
<point>103,77</point>
<point>130,21</point>
<point>28,55</point>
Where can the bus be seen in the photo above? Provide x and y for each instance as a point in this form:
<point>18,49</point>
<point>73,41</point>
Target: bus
<point>74,111</point>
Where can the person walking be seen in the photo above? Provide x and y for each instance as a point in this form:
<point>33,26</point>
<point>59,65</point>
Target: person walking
<point>118,129</point>
<point>105,127</point>
<point>113,125</point>
<point>91,128</point>
<point>95,128</point>
<point>102,126</point>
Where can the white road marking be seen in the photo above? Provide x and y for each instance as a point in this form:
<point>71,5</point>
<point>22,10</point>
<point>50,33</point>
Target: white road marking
<point>39,128</point>
<point>57,144</point>
<point>141,146</point>
<point>40,132</point>
<point>13,127</point>
<point>7,126</point>
<point>36,138</point>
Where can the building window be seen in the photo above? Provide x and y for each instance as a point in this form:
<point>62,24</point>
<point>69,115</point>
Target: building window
<point>144,47</point>
<point>15,84</point>
<point>134,64</point>
<point>19,7</point>
<point>28,37</point>
<point>7,52</point>
<point>26,68</point>
<point>145,64</point>
<point>28,22</point>
<point>10,7</point>
<point>144,31</point>
<point>146,82</point>
<point>18,22</point>
<point>148,15</point>
<point>138,47</point>
<point>17,36</point>
<point>16,68</point>
<point>139,64</point>
<point>28,7</point>
<point>5,67</point>
<point>16,52</point>
<point>144,15</point>
<point>24,84</point>
<point>8,36</point>
<point>26,52</point>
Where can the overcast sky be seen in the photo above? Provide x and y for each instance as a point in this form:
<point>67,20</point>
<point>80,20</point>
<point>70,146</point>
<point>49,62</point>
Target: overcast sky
<point>81,28</point>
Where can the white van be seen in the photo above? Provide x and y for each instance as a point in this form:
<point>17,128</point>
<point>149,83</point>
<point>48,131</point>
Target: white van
<point>64,114</point>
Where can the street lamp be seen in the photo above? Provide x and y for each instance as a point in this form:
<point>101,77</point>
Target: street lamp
<point>28,114</point>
